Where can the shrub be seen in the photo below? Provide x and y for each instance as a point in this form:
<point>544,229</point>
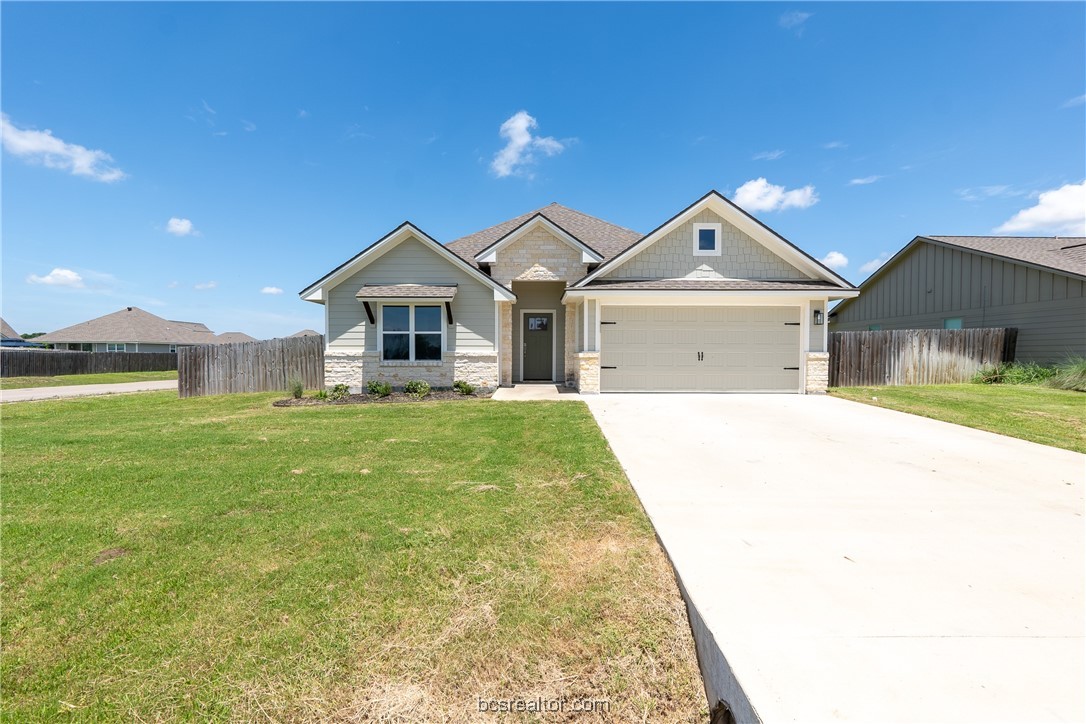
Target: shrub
<point>417,388</point>
<point>1013,373</point>
<point>378,388</point>
<point>339,392</point>
<point>1070,375</point>
<point>297,389</point>
<point>321,394</point>
<point>464,388</point>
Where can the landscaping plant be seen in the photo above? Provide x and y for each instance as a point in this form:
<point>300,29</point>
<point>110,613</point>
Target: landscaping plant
<point>378,388</point>
<point>297,389</point>
<point>1070,375</point>
<point>339,392</point>
<point>1013,373</point>
<point>417,388</point>
<point>464,388</point>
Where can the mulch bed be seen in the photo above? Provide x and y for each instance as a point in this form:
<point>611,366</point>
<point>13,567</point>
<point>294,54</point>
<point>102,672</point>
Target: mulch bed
<point>434,396</point>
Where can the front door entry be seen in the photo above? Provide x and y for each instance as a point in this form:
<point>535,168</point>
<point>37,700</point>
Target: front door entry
<point>537,337</point>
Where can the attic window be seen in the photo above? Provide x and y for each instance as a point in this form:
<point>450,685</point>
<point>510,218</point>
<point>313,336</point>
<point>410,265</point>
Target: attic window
<point>707,239</point>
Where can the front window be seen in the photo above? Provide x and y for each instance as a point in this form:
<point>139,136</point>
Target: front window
<point>173,348</point>
<point>874,328</point>
<point>707,239</point>
<point>952,323</point>
<point>116,347</point>
<point>410,333</point>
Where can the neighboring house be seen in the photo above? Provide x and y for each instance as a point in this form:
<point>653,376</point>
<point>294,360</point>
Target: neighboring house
<point>233,338</point>
<point>712,300</point>
<point>953,282</point>
<point>6,331</point>
<point>129,330</point>
<point>306,333</point>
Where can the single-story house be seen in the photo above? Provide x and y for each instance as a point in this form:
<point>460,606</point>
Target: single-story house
<point>7,331</point>
<point>233,338</point>
<point>134,330</point>
<point>711,300</point>
<point>1036,284</point>
<point>305,333</point>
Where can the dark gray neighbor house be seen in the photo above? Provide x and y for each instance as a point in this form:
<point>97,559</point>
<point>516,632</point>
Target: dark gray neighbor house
<point>1036,284</point>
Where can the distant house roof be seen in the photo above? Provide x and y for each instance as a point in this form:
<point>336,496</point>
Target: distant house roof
<point>6,331</point>
<point>133,324</point>
<point>1062,253</point>
<point>306,333</point>
<point>233,338</point>
<point>602,236</point>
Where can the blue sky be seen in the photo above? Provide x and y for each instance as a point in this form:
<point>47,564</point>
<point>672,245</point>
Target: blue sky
<point>202,155</point>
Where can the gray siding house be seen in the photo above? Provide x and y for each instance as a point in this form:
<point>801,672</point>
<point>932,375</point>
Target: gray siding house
<point>135,330</point>
<point>711,300</point>
<point>1036,284</point>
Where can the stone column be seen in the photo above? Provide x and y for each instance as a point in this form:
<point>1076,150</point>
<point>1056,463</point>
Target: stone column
<point>505,312</point>
<point>571,345</point>
<point>588,365</point>
<point>818,373</point>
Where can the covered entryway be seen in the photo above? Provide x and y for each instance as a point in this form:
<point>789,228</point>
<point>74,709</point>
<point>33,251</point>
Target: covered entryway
<point>538,333</point>
<point>700,349</point>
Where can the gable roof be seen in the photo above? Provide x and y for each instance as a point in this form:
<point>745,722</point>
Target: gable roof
<point>306,333</point>
<point>1059,253</point>
<point>603,237</point>
<point>6,330</point>
<point>132,324</point>
<point>391,240</point>
<point>588,254</point>
<point>233,338</point>
<point>730,212</point>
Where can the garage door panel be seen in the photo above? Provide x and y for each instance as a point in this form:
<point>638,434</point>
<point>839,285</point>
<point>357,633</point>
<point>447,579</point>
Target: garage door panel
<point>742,348</point>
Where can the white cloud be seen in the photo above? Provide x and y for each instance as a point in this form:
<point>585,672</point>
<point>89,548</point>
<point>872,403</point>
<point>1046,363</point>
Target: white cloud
<point>271,290</point>
<point>835,260</point>
<point>206,285</point>
<point>248,126</point>
<point>1058,211</point>
<point>834,145</point>
<point>864,181</point>
<point>988,192</point>
<point>760,195</point>
<point>207,109</point>
<point>172,285</point>
<point>48,150</point>
<point>1076,101</point>
<point>794,21</point>
<point>870,266</point>
<point>303,113</point>
<point>768,155</point>
<point>180,227</point>
<point>520,147</point>
<point>58,278</point>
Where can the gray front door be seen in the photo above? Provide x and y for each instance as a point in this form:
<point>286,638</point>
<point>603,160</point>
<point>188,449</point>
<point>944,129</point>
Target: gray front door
<point>538,342</point>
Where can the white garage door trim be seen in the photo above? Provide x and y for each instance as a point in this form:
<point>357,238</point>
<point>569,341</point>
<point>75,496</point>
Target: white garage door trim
<point>702,333</point>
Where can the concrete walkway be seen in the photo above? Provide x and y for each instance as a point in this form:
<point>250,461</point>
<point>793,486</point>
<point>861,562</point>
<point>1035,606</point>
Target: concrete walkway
<point>536,391</point>
<point>850,563</point>
<point>50,393</point>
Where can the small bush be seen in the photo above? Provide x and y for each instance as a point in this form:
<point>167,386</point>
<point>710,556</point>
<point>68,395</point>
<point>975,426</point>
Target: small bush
<point>1013,373</point>
<point>339,392</point>
<point>321,395</point>
<point>1070,375</point>
<point>378,388</point>
<point>297,389</point>
<point>464,388</point>
<point>417,388</point>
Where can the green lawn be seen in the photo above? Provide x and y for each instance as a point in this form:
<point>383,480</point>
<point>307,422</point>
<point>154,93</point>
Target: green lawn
<point>105,378</point>
<point>1031,412</point>
<point>217,558</point>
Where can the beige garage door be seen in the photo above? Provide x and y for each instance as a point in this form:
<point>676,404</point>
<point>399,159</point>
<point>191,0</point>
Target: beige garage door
<point>699,349</point>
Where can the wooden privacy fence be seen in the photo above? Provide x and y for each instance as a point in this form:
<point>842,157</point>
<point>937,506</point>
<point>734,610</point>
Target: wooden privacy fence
<point>48,363</point>
<point>916,356</point>
<point>219,369</point>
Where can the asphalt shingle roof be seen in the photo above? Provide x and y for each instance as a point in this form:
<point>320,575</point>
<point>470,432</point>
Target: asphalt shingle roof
<point>406,291</point>
<point>606,238</point>
<point>132,324</point>
<point>6,330</point>
<point>1063,253</point>
<point>233,338</point>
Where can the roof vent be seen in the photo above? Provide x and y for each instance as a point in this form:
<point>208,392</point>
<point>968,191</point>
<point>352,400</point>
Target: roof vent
<point>130,309</point>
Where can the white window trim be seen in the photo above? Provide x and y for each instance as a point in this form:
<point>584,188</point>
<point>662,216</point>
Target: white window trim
<point>554,340</point>
<point>718,229</point>
<point>173,348</point>
<point>123,347</point>
<point>410,332</point>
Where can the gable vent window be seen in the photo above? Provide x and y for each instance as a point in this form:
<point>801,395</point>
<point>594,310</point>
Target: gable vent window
<point>707,239</point>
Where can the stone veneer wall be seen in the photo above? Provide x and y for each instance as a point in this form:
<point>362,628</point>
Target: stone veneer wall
<point>355,370</point>
<point>818,373</point>
<point>538,256</point>
<point>505,312</point>
<point>588,372</point>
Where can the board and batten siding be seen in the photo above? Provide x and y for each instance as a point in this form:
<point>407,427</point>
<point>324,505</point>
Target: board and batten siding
<point>932,282</point>
<point>411,262</point>
<point>817,332</point>
<point>672,257</point>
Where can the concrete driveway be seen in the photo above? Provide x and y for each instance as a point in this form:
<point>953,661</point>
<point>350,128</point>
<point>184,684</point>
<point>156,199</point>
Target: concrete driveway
<point>50,393</point>
<point>850,563</point>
